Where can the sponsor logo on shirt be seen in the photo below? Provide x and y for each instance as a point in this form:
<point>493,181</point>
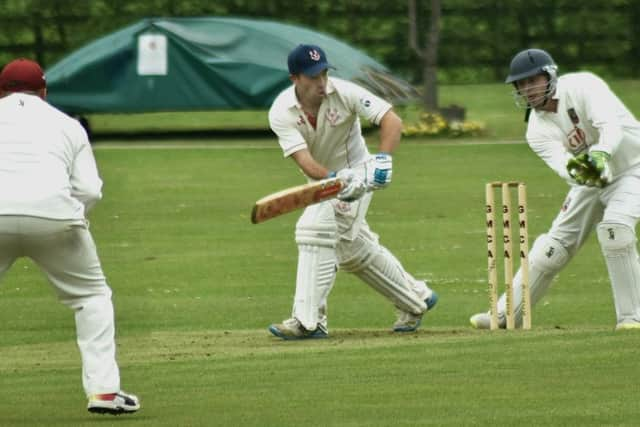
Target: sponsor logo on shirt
<point>576,139</point>
<point>365,102</point>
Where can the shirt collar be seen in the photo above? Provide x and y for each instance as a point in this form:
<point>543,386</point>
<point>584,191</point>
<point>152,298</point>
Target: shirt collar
<point>292,101</point>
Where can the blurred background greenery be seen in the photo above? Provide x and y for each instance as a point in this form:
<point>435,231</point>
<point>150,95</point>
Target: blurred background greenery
<point>477,40</point>
<point>474,47</point>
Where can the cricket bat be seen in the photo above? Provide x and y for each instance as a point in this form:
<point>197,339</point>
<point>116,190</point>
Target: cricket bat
<point>293,198</point>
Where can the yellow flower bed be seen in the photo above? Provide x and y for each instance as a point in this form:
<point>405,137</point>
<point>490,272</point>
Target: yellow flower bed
<point>434,124</point>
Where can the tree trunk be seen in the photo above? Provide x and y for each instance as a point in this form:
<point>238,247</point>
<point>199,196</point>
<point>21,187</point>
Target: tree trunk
<point>429,53</point>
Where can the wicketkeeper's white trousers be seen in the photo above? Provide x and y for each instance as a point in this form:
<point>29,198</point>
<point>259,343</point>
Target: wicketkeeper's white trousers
<point>66,253</point>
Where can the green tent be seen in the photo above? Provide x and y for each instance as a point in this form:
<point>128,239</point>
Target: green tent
<point>206,63</point>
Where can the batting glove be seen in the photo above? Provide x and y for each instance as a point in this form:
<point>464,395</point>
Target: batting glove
<point>383,170</point>
<point>354,187</point>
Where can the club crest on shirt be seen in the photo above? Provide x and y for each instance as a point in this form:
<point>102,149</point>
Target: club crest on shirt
<point>332,116</point>
<point>300,121</point>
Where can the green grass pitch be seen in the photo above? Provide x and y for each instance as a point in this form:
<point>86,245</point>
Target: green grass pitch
<point>196,284</point>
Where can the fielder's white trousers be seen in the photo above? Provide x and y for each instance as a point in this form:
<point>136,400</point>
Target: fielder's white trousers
<point>66,253</point>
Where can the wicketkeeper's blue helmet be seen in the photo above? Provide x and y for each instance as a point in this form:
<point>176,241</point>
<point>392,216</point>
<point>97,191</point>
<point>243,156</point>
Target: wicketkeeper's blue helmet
<point>530,62</point>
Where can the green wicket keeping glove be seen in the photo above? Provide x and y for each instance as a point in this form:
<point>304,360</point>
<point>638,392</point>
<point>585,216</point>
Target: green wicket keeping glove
<point>600,161</point>
<point>590,169</point>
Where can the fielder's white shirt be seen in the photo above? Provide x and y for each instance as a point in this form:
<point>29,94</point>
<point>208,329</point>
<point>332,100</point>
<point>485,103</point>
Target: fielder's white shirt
<point>589,117</point>
<point>337,140</point>
<point>47,168</point>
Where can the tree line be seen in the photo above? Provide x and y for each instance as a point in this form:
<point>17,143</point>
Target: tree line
<point>476,42</point>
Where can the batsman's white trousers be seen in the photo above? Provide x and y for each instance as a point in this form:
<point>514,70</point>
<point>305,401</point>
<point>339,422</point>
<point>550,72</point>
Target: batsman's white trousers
<point>66,253</point>
<point>336,232</point>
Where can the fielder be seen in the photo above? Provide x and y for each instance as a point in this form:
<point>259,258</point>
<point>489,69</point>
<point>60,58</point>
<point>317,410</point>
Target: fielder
<point>582,131</point>
<point>318,126</point>
<point>48,182</point>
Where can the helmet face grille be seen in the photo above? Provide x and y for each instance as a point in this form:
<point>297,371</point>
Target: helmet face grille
<point>522,101</point>
<point>528,63</point>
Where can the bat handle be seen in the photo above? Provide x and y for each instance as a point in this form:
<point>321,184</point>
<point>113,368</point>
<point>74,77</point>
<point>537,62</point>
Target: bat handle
<point>372,187</point>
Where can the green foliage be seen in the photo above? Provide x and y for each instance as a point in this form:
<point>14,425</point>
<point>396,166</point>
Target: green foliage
<point>477,42</point>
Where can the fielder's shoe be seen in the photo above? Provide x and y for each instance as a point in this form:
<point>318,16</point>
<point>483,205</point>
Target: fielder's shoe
<point>409,322</point>
<point>291,329</point>
<point>483,321</point>
<point>627,325</point>
<point>113,403</point>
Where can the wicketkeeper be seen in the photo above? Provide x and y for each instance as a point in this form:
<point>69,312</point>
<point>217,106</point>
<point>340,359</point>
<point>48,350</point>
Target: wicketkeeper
<point>318,126</point>
<point>582,131</point>
<point>48,183</point>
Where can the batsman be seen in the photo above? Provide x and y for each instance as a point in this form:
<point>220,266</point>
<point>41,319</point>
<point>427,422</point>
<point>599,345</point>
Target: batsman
<point>582,131</point>
<point>317,122</point>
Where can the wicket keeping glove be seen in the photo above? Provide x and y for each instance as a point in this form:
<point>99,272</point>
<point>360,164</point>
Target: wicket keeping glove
<point>354,187</point>
<point>590,169</point>
<point>600,161</point>
<point>383,170</point>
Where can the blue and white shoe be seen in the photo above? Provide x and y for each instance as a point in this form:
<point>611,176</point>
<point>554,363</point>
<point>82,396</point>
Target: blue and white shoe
<point>409,322</point>
<point>291,329</point>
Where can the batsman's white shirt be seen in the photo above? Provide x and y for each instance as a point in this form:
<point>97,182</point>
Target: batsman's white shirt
<point>47,168</point>
<point>337,140</point>
<point>589,116</point>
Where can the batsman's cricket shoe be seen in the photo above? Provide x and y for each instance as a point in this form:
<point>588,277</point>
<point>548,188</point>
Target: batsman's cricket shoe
<point>291,329</point>
<point>113,403</point>
<point>627,325</point>
<point>409,322</point>
<point>483,321</point>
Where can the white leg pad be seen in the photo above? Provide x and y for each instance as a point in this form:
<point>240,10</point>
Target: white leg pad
<point>618,244</point>
<point>316,274</point>
<point>378,268</point>
<point>546,258</point>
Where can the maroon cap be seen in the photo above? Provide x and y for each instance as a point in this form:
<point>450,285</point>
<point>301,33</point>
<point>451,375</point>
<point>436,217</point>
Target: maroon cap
<point>22,74</point>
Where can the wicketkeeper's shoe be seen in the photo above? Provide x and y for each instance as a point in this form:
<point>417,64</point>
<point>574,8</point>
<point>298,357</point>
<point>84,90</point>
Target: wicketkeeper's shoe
<point>409,322</point>
<point>627,325</point>
<point>291,329</point>
<point>483,321</point>
<point>113,403</point>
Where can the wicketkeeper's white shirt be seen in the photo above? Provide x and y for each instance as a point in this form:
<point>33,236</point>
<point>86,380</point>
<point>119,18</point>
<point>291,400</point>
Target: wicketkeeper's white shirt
<point>47,168</point>
<point>337,140</point>
<point>585,101</point>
